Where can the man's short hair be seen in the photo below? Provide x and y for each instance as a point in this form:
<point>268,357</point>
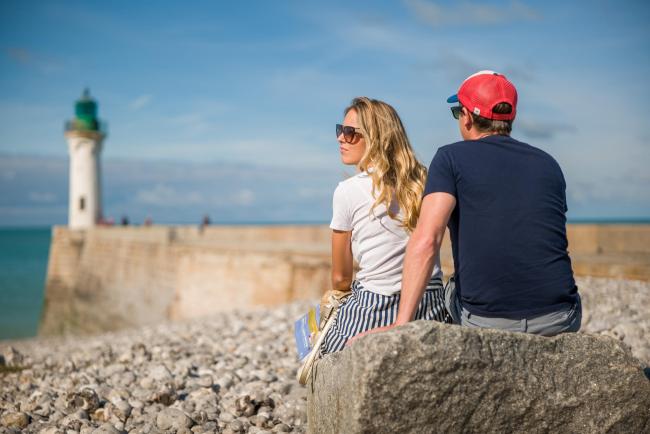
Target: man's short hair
<point>493,126</point>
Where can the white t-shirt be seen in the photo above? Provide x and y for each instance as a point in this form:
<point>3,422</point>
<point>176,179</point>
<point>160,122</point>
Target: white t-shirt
<point>378,241</point>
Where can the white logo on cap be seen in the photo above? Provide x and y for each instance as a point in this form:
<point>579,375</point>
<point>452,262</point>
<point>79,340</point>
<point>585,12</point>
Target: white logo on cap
<point>477,111</point>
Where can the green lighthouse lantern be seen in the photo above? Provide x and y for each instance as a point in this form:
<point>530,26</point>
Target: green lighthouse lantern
<point>85,120</point>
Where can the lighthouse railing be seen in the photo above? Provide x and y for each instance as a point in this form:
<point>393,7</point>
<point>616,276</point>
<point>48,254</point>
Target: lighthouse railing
<point>85,125</point>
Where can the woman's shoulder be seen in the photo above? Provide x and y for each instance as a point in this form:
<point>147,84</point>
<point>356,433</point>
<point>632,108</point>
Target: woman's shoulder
<point>357,178</point>
<point>359,181</point>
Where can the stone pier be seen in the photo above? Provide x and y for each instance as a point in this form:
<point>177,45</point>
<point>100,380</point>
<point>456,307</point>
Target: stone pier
<point>108,278</point>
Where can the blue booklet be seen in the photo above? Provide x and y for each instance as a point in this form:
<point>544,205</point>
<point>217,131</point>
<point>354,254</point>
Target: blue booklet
<point>305,331</point>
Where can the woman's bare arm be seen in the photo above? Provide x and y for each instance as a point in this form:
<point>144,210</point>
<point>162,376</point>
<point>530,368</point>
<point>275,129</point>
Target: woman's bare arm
<point>342,265</point>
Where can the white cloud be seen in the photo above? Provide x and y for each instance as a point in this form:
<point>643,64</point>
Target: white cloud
<point>535,129</point>
<point>306,192</point>
<point>162,195</point>
<point>140,102</point>
<point>243,197</point>
<point>470,13</point>
<point>205,118</point>
<point>295,151</point>
<point>39,197</point>
<point>31,59</point>
<point>194,123</point>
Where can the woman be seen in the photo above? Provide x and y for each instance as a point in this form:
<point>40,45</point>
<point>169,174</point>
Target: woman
<point>373,214</point>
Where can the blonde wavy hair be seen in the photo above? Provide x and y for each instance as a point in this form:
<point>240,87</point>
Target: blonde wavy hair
<point>396,173</point>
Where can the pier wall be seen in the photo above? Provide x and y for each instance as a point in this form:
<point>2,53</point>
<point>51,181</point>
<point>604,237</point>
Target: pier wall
<point>109,278</point>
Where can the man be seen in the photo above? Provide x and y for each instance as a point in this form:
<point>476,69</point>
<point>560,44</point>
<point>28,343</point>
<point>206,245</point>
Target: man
<point>504,202</point>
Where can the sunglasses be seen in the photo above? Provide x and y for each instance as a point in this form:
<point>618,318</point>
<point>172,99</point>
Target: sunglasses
<point>348,132</point>
<point>456,111</point>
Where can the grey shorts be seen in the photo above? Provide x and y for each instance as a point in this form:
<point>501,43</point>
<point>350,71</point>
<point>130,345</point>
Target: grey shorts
<point>548,324</point>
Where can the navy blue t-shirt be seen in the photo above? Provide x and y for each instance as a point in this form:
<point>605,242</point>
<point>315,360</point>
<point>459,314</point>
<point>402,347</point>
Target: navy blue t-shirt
<point>508,230</point>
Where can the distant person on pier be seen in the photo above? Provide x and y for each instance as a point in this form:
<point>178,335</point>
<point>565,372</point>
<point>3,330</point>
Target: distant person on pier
<point>374,212</point>
<point>125,221</point>
<point>204,222</point>
<point>504,202</point>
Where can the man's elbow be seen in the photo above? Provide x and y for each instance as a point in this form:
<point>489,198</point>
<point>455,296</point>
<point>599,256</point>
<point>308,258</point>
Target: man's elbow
<point>425,245</point>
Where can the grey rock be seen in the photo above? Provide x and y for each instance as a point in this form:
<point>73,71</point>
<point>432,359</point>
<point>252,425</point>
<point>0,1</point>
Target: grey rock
<point>11,357</point>
<point>281,427</point>
<point>173,418</point>
<point>188,406</point>
<point>244,406</point>
<point>226,417</point>
<point>56,416</point>
<point>74,421</point>
<point>85,399</point>
<point>426,374</point>
<point>107,428</point>
<point>115,395</point>
<point>146,383</point>
<point>17,420</point>
<point>101,414</point>
<point>126,379</point>
<point>205,381</point>
<point>211,426</point>
<point>236,426</point>
<point>25,387</point>
<point>135,403</point>
<point>618,308</point>
<point>200,417</point>
<point>286,414</point>
<point>121,409</point>
<point>164,396</point>
<point>160,373</point>
<point>260,419</point>
<point>43,410</point>
<point>113,369</point>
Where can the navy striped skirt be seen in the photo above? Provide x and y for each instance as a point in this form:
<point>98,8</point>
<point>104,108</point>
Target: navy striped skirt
<point>365,310</point>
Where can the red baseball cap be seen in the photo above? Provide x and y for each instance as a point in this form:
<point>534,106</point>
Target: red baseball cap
<point>480,92</point>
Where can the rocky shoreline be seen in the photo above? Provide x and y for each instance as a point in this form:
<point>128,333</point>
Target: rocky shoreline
<point>229,373</point>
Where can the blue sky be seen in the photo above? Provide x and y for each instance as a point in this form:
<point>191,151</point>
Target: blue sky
<point>229,108</point>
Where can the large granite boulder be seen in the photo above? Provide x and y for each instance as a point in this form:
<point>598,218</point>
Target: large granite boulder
<point>427,377</point>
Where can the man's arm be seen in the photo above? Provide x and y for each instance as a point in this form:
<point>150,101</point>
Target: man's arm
<point>421,252</point>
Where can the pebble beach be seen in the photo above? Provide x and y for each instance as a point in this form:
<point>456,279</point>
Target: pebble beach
<point>229,373</point>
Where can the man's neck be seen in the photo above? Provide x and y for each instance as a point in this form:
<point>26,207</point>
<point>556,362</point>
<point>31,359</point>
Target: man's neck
<point>477,135</point>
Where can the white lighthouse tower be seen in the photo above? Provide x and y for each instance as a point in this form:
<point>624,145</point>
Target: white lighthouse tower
<point>85,134</point>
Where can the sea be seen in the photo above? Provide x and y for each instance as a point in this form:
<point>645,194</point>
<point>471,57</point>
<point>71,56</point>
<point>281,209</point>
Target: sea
<point>23,267</point>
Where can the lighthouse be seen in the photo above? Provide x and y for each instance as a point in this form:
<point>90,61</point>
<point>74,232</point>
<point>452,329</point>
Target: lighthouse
<point>85,134</point>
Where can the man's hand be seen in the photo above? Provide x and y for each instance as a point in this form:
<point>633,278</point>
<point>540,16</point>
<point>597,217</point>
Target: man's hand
<point>371,331</point>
